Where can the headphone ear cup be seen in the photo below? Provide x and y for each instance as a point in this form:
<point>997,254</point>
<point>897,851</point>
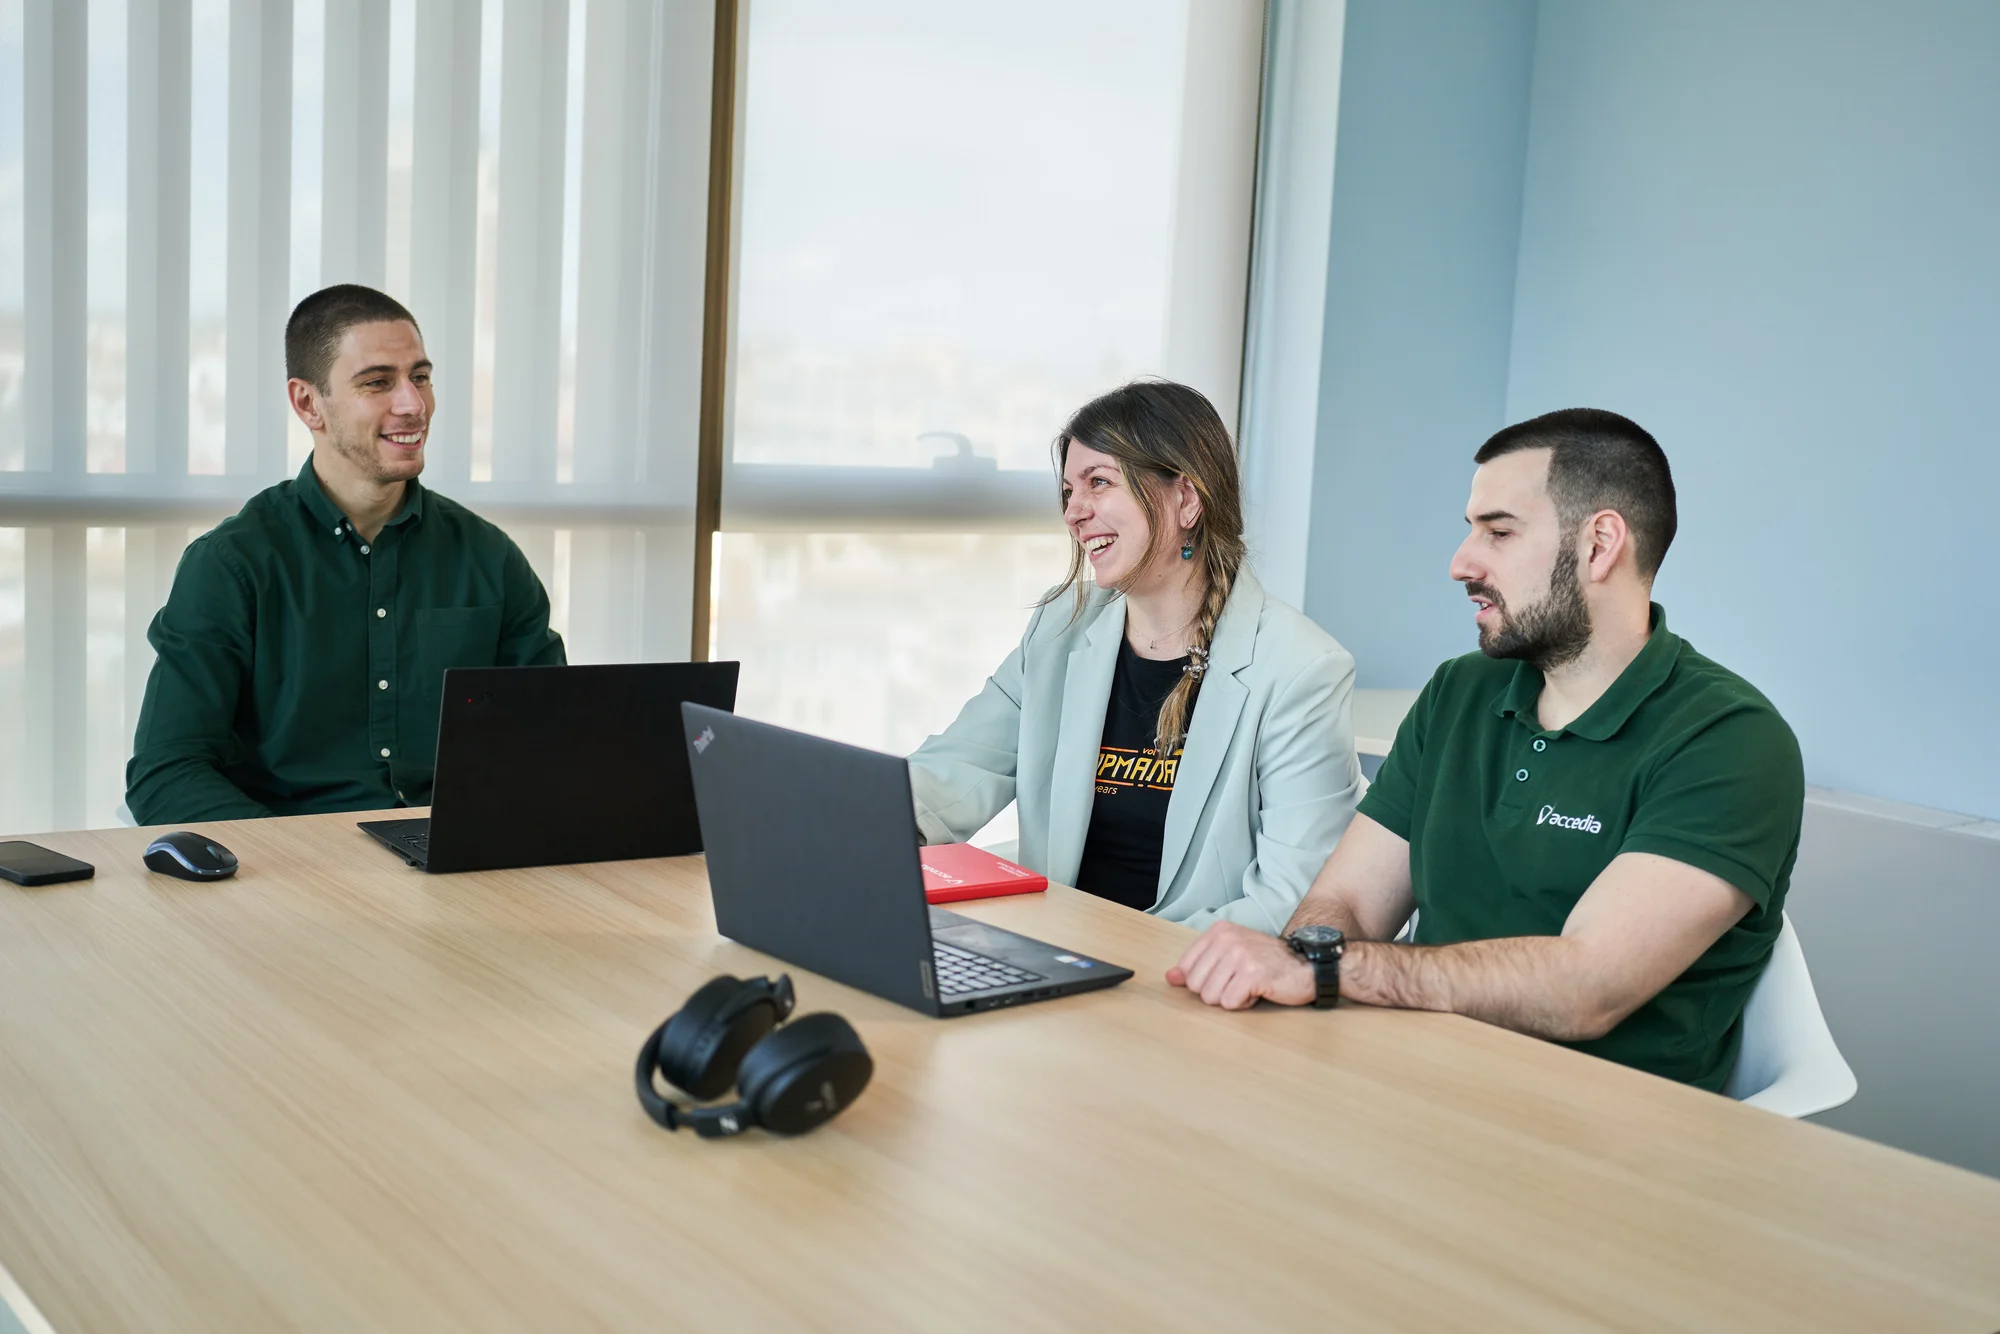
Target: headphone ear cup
<point>699,1052</point>
<point>804,1074</point>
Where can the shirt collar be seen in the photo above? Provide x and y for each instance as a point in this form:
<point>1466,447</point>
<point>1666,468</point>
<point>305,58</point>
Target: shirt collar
<point>328,515</point>
<point>1601,721</point>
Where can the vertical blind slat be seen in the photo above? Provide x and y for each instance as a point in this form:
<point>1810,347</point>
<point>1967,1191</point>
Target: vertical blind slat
<point>604,588</point>
<point>53,204</point>
<point>527,349</point>
<point>156,236</point>
<point>355,189</point>
<point>260,203</point>
<point>667,406</point>
<point>444,207</point>
<point>611,226</point>
<point>55,625</point>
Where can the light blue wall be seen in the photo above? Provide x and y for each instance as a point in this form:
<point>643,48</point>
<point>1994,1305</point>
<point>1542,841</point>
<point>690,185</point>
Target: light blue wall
<point>1420,296</point>
<point>1769,230</point>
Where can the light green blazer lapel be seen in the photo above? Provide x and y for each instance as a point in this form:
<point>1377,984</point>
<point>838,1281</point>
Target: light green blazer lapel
<point>1086,697</point>
<point>1216,710</point>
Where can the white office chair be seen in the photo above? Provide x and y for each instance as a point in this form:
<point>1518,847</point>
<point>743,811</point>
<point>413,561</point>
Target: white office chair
<point>1788,1063</point>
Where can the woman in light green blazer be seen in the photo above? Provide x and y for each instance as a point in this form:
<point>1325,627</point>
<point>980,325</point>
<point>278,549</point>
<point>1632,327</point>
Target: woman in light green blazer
<point>1178,741</point>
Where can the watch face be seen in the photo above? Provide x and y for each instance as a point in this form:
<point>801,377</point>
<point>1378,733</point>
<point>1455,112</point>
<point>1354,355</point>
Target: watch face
<point>1318,935</point>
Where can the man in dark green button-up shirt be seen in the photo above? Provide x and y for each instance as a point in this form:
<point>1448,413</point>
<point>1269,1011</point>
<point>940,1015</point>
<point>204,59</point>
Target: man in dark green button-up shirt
<point>1594,823</point>
<point>302,651</point>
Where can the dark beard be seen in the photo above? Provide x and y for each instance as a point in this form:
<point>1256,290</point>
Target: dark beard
<point>1549,633</point>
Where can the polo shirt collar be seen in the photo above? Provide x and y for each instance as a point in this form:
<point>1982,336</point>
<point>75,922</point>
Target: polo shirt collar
<point>1601,721</point>
<point>321,506</point>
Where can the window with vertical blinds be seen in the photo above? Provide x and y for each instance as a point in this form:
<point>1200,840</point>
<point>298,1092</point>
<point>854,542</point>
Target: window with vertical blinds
<point>528,176</point>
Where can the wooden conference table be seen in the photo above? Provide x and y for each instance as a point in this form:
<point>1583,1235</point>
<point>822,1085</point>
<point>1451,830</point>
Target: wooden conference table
<point>336,1094</point>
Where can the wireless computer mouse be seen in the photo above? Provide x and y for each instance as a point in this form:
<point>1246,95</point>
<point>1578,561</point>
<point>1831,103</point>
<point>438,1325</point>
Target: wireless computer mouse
<point>190,856</point>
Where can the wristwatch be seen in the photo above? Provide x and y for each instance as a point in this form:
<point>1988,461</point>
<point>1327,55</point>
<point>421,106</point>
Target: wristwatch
<point>1321,946</point>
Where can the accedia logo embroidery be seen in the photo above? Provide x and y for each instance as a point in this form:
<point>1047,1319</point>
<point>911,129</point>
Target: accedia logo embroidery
<point>1583,824</point>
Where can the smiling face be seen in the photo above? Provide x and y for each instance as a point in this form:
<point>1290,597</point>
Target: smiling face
<point>375,412</point>
<point>1105,517</point>
<point>1519,565</point>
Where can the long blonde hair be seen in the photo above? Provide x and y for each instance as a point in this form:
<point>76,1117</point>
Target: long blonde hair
<point>1160,431</point>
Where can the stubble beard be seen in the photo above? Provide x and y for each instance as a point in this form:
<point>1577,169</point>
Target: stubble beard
<point>364,452</point>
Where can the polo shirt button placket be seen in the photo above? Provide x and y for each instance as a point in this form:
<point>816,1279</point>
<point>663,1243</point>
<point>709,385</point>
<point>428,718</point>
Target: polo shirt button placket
<point>1520,775</point>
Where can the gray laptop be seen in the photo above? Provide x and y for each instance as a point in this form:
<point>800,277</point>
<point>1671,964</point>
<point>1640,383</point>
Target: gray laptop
<point>812,857</point>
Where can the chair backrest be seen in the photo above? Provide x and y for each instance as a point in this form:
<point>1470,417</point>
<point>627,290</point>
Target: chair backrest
<point>1788,1063</point>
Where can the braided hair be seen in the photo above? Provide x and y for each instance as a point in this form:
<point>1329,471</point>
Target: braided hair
<point>1160,431</point>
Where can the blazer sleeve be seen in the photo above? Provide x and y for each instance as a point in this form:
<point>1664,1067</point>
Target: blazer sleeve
<point>1309,783</point>
<point>964,776</point>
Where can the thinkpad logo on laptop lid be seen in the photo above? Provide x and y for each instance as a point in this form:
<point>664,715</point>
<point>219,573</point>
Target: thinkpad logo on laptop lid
<point>701,742</point>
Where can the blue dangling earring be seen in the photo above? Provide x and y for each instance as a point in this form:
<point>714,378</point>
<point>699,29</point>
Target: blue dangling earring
<point>1187,551</point>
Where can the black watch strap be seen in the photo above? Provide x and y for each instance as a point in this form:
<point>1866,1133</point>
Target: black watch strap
<point>1326,974</point>
<point>1325,961</point>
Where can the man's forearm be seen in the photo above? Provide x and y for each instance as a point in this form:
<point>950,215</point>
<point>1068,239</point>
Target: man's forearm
<point>1317,909</point>
<point>1531,984</point>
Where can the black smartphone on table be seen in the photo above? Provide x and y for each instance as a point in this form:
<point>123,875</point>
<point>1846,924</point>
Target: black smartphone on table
<point>32,864</point>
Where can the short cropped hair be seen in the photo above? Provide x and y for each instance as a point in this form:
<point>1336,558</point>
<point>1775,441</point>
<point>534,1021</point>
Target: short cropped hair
<point>318,323</point>
<point>1601,461</point>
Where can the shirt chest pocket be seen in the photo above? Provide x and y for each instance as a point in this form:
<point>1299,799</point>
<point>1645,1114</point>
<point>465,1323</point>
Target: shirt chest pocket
<point>455,637</point>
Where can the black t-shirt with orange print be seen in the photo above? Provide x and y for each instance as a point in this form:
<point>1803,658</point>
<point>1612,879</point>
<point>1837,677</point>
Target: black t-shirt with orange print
<point>1128,820</point>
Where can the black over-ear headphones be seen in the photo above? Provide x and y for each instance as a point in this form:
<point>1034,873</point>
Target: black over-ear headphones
<point>789,1079</point>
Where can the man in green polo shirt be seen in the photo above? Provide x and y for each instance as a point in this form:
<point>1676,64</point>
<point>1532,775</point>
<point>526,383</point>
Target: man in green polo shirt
<point>1594,823</point>
<point>302,652</point>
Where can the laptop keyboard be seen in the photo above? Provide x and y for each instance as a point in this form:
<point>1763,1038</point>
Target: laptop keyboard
<point>961,971</point>
<point>420,842</point>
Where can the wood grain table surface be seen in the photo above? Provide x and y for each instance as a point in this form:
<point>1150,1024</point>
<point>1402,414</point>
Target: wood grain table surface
<point>334,1093</point>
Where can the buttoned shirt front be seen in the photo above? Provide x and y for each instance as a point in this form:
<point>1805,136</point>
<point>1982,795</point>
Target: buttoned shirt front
<point>299,667</point>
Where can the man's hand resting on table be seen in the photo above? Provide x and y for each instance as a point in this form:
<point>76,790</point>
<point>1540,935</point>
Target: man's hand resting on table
<point>1235,967</point>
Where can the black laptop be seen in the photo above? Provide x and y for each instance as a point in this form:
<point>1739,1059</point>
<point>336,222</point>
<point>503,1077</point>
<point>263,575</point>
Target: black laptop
<point>812,857</point>
<point>544,766</point>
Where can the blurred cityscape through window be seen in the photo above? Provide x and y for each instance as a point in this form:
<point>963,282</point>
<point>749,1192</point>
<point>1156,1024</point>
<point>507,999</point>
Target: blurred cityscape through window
<point>955,232</point>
